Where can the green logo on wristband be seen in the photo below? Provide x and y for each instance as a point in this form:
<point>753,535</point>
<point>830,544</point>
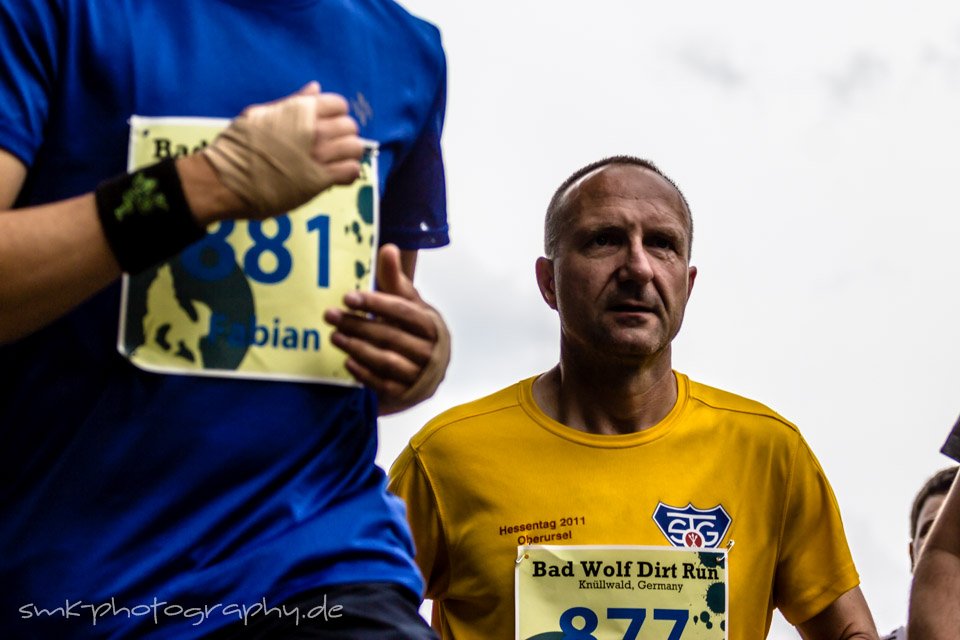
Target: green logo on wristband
<point>141,198</point>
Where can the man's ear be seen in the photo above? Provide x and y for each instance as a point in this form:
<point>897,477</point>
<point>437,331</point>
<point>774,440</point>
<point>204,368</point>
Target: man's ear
<point>546,282</point>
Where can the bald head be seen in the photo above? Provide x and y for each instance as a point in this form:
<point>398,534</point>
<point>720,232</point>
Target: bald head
<point>563,204</point>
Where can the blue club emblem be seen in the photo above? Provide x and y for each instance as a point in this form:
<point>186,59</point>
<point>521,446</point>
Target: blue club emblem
<point>691,527</point>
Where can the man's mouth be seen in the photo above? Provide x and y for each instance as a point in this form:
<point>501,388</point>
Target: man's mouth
<point>631,307</point>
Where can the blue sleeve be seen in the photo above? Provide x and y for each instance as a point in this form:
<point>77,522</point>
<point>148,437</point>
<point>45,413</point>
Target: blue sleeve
<point>415,196</point>
<point>28,62</point>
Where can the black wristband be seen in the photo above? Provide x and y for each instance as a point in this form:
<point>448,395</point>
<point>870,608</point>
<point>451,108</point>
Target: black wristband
<point>145,216</point>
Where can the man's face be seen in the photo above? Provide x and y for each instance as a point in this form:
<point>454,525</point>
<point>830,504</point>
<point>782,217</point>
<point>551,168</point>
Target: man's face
<point>621,277</point>
<point>928,513</point>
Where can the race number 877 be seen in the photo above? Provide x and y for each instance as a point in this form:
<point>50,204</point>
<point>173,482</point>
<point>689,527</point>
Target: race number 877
<point>636,617</point>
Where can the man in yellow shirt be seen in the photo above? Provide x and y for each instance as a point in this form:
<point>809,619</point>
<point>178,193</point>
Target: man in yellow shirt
<point>613,455</point>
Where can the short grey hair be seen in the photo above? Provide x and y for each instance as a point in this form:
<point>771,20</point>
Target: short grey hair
<point>556,211</point>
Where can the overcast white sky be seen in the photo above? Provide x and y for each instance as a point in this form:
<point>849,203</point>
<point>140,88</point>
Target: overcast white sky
<point>817,145</point>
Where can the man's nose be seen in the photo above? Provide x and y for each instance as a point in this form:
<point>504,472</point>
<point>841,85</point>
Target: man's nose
<point>637,264</point>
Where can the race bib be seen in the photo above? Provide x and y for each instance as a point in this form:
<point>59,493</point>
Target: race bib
<point>620,593</point>
<point>248,299</point>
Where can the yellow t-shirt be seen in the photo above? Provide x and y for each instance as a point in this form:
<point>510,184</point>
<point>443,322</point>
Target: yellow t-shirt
<point>487,476</point>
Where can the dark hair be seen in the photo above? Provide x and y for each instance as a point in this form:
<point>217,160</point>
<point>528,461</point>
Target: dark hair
<point>938,484</point>
<point>556,210</point>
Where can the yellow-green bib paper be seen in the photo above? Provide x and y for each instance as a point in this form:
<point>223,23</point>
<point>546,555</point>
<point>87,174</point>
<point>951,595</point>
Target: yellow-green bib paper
<point>248,300</point>
<point>620,593</point>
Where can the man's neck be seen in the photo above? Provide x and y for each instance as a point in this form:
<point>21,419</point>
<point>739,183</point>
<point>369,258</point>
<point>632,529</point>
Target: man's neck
<point>607,399</point>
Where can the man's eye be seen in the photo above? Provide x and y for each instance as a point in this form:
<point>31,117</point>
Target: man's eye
<point>604,239</point>
<point>661,242</point>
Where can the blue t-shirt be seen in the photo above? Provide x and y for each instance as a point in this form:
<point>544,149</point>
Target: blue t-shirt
<point>134,499</point>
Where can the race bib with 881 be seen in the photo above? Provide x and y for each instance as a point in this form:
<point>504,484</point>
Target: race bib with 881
<point>620,593</point>
<point>248,299</point>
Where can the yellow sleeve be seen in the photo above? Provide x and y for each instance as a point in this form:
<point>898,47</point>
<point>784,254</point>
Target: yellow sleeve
<point>409,481</point>
<point>814,566</point>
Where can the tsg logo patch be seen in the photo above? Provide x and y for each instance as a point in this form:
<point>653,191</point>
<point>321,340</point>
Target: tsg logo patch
<point>691,527</point>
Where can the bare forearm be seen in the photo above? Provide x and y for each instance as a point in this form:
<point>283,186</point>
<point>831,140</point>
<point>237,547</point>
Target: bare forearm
<point>52,258</point>
<point>55,256</point>
<point>934,598</point>
<point>844,634</point>
<point>846,618</point>
<point>855,630</point>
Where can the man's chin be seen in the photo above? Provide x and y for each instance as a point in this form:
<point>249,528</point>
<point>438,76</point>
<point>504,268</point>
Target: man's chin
<point>636,347</point>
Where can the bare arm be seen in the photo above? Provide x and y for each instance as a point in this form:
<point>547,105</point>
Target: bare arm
<point>846,618</point>
<point>934,598</point>
<point>52,257</point>
<point>55,256</point>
